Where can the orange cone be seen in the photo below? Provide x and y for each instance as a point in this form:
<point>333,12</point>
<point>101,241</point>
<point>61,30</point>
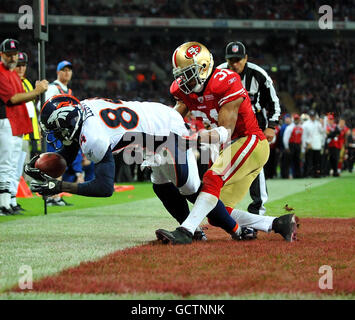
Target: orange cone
<point>23,190</point>
<point>121,188</point>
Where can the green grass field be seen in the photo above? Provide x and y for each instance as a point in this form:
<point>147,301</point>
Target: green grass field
<point>96,227</point>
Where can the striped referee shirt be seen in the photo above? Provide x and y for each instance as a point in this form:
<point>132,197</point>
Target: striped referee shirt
<point>266,104</point>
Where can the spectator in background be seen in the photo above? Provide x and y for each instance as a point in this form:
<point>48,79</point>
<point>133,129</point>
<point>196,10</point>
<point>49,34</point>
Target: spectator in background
<point>271,164</point>
<point>64,75</point>
<point>14,123</point>
<point>88,168</point>
<point>332,150</point>
<point>60,86</point>
<point>34,137</point>
<point>74,172</point>
<point>284,164</point>
<point>313,141</point>
<point>305,152</point>
<point>350,151</point>
<point>292,140</point>
<point>344,133</point>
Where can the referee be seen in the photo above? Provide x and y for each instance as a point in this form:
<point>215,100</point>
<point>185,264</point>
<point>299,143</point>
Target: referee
<point>265,104</point>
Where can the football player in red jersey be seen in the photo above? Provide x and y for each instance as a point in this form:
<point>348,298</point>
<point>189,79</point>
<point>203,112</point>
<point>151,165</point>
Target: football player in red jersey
<point>218,97</point>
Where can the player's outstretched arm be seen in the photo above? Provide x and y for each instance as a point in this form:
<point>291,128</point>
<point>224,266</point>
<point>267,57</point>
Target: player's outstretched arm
<point>227,118</point>
<point>103,183</point>
<point>181,108</point>
<point>101,186</point>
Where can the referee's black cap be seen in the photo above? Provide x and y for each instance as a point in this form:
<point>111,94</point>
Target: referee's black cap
<point>9,45</point>
<point>235,49</point>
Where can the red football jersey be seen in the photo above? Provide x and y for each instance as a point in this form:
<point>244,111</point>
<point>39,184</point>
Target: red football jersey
<point>296,135</point>
<point>333,142</point>
<point>10,84</point>
<point>341,137</point>
<point>222,87</point>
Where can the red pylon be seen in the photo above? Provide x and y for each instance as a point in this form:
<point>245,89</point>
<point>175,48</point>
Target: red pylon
<point>23,190</point>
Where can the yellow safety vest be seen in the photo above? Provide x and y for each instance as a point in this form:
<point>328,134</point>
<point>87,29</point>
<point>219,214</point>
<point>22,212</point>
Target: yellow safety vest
<point>27,86</point>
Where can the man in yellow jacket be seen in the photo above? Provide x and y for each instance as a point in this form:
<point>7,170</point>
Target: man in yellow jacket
<point>31,140</point>
<point>34,137</point>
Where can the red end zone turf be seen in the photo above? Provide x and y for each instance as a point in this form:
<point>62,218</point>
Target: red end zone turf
<point>268,265</point>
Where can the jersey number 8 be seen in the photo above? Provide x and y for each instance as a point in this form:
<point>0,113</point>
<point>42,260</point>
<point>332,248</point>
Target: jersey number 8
<point>121,116</point>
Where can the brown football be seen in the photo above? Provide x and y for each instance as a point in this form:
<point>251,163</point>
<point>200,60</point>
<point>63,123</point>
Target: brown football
<point>52,164</point>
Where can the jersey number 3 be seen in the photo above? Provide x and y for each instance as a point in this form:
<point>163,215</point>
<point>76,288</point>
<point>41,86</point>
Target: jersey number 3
<point>120,116</point>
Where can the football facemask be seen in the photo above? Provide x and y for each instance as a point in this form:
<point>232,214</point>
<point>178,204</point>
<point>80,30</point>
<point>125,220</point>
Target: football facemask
<point>192,65</point>
<point>61,116</point>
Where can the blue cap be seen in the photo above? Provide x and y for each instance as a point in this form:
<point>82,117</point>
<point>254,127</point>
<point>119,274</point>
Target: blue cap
<point>63,64</point>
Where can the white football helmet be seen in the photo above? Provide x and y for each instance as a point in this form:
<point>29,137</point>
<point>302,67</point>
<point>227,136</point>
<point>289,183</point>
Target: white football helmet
<point>192,65</point>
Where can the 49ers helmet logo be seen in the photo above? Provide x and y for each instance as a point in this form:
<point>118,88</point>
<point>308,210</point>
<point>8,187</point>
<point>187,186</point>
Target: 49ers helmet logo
<point>192,51</point>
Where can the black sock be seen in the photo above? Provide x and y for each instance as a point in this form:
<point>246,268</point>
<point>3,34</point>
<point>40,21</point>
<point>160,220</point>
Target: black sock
<point>220,217</point>
<point>172,200</point>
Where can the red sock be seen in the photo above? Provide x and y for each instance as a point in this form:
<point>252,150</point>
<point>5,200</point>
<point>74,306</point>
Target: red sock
<point>212,183</point>
<point>229,209</point>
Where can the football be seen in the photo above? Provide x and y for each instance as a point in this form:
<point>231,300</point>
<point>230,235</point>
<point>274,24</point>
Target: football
<point>52,164</point>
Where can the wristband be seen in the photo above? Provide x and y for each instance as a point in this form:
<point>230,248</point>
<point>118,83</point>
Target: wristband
<point>223,134</point>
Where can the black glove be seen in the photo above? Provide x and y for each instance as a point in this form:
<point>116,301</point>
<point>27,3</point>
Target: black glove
<point>48,187</point>
<point>33,172</point>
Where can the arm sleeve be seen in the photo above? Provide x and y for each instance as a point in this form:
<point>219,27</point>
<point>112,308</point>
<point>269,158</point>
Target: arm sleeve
<point>229,87</point>
<point>270,101</point>
<point>103,183</point>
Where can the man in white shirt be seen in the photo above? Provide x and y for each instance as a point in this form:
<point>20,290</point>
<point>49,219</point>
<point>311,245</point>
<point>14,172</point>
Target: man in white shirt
<point>64,75</point>
<point>292,140</point>
<point>312,141</point>
<point>59,86</point>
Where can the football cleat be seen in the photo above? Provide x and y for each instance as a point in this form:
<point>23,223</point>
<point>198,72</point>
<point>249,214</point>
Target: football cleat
<point>57,202</point>
<point>178,236</point>
<point>17,210</point>
<point>6,212</point>
<point>199,235</point>
<point>245,233</point>
<point>18,207</point>
<point>286,225</point>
